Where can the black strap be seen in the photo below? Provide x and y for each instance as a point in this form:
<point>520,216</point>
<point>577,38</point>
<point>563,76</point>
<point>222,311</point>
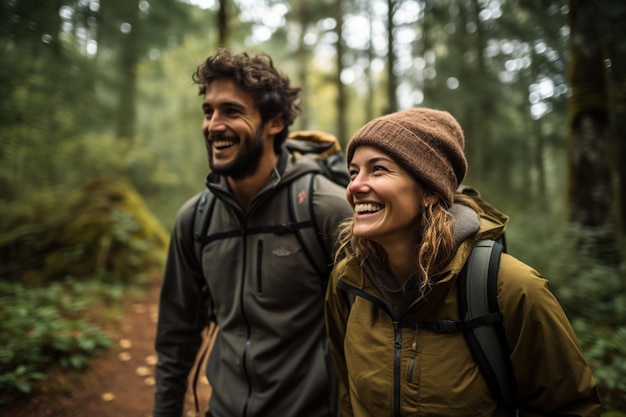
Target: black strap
<point>308,234</point>
<point>478,297</point>
<point>278,229</point>
<point>454,326</point>
<point>202,215</point>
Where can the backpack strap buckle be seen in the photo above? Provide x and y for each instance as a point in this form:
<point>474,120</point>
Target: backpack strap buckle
<point>445,326</point>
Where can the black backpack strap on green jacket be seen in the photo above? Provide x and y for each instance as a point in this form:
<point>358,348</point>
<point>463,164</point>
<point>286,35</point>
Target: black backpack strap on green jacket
<point>308,234</point>
<point>478,297</point>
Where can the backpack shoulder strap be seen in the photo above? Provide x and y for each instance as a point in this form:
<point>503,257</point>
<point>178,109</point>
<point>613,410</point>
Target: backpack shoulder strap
<point>308,233</point>
<point>202,215</point>
<point>478,290</point>
<point>201,218</point>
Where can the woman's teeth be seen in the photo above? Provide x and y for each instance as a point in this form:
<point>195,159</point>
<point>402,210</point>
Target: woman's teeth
<point>367,208</point>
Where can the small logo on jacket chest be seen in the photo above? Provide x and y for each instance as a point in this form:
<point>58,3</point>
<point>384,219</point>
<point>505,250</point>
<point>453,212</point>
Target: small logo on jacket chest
<point>302,197</point>
<point>282,251</point>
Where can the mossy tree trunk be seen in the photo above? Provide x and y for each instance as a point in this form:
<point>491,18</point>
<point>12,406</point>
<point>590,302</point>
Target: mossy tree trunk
<point>591,165</point>
<point>129,60</point>
<point>615,12</point>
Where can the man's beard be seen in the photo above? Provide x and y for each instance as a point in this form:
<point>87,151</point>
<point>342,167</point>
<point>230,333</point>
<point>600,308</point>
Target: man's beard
<point>247,159</point>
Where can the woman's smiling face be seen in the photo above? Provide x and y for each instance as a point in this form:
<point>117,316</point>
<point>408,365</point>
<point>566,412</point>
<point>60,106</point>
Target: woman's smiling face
<point>384,196</point>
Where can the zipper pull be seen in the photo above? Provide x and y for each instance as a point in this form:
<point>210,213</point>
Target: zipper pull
<point>415,333</point>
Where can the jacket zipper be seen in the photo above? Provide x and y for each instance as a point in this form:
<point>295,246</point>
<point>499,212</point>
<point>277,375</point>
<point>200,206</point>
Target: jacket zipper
<point>246,346</point>
<point>259,264</point>
<point>397,345</point>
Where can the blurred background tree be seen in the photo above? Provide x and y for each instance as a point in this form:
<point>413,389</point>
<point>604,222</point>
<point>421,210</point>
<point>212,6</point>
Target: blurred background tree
<point>95,92</point>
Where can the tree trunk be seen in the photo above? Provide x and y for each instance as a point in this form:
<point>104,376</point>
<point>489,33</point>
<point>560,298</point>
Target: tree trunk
<point>591,190</point>
<point>303,62</point>
<point>129,59</point>
<point>617,53</point>
<point>618,59</point>
<point>485,106</point>
<point>392,82</point>
<point>371,86</point>
<point>222,23</point>
<point>342,130</point>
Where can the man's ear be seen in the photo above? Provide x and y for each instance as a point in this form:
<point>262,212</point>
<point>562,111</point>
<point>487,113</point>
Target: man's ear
<point>276,124</point>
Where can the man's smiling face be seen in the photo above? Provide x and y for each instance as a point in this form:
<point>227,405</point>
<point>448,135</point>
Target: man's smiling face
<point>232,129</point>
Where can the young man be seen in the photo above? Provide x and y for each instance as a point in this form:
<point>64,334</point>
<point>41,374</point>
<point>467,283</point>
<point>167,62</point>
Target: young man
<point>269,358</point>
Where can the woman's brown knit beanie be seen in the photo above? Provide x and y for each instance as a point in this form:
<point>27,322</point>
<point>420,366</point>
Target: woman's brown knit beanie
<point>427,143</point>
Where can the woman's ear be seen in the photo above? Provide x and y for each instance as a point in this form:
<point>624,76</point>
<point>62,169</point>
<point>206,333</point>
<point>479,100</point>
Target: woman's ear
<point>430,198</point>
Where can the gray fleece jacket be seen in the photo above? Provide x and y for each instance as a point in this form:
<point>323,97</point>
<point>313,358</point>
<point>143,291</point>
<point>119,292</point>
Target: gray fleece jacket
<point>269,358</point>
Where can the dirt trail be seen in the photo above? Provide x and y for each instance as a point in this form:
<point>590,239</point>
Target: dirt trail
<point>118,383</point>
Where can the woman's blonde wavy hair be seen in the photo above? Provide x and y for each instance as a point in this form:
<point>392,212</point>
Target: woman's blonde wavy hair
<point>435,245</point>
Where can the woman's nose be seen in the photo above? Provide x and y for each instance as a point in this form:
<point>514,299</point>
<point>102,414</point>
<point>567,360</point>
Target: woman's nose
<point>358,184</point>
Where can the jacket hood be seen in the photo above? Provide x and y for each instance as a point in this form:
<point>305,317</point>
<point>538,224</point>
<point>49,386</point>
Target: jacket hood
<point>493,222</point>
<point>289,167</point>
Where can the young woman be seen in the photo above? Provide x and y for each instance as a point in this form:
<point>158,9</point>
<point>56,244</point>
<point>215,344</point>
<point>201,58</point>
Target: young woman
<point>399,258</point>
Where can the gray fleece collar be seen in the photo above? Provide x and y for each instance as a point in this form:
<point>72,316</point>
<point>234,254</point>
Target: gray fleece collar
<point>466,223</point>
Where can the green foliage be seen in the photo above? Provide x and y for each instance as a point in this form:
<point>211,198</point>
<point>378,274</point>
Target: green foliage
<point>485,62</point>
<point>43,326</point>
<point>592,294</point>
<point>605,348</point>
<point>105,229</point>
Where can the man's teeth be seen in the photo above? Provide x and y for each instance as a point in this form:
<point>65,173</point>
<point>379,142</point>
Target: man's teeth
<point>223,143</point>
<point>367,208</point>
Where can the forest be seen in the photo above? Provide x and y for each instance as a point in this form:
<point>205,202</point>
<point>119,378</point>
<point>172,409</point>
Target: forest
<point>100,141</point>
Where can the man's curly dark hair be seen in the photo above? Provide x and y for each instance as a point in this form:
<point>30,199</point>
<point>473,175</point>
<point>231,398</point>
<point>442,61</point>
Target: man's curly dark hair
<point>257,75</point>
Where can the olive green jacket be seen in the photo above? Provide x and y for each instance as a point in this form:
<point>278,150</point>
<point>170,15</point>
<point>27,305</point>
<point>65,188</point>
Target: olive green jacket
<point>387,370</point>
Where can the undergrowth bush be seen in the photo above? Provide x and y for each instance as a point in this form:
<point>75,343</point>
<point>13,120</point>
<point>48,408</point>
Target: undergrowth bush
<point>51,324</point>
<point>592,293</point>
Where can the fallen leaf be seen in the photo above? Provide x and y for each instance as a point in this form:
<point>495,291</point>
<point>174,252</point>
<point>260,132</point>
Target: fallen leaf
<point>143,371</point>
<point>108,396</point>
<point>126,344</point>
